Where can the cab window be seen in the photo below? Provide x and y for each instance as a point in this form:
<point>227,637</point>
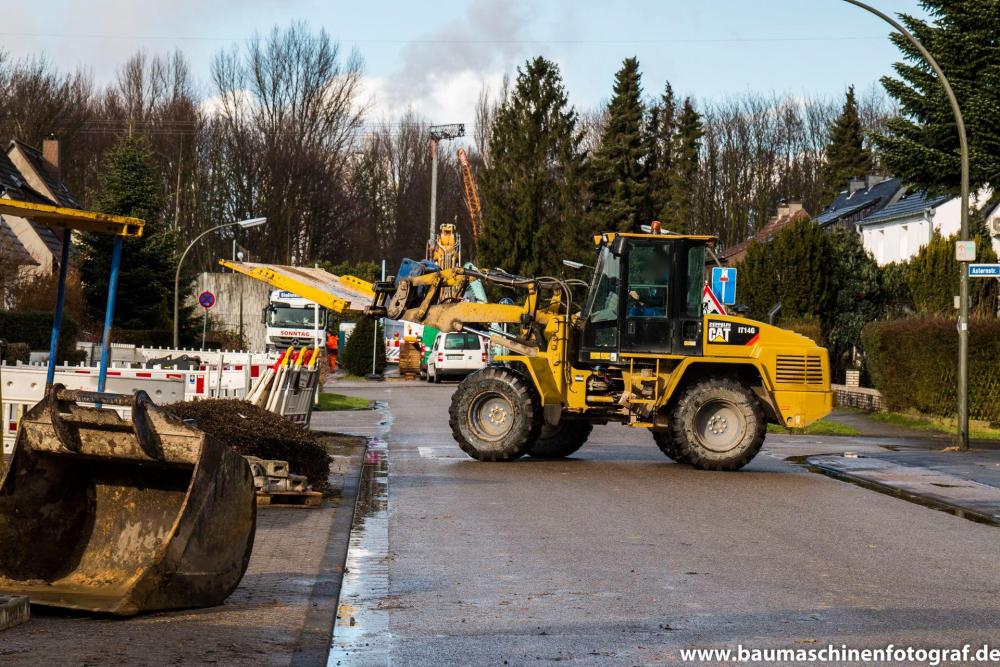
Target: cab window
<point>649,280</point>
<point>601,311</point>
<point>696,280</point>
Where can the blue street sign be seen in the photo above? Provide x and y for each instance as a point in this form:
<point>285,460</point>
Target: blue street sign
<point>724,284</point>
<point>984,270</point>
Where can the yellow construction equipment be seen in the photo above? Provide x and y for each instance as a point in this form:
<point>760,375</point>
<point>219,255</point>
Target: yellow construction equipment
<point>107,515</point>
<point>471,194</point>
<point>638,350</point>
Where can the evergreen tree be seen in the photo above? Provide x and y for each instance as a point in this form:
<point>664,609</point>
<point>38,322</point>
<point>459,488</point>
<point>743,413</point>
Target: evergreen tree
<point>618,168</point>
<point>661,129</point>
<point>933,275</point>
<point>678,214</point>
<point>846,155</point>
<point>857,298</point>
<point>129,186</point>
<point>531,188</point>
<point>785,270</point>
<point>356,357</point>
<point>921,144</point>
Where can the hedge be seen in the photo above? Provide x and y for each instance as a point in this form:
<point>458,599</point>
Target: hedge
<point>914,362</point>
<point>35,330</point>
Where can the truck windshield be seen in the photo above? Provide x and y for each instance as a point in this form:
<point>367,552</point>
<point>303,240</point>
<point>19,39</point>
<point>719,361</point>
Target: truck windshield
<point>305,318</point>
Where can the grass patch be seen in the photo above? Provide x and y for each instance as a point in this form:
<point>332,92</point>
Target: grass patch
<point>978,430</point>
<point>821,427</point>
<point>341,402</point>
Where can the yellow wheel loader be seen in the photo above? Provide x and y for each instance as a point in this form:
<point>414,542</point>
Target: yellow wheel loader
<point>636,349</point>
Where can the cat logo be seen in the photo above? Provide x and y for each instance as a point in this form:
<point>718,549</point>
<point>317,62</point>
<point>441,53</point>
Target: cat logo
<point>718,332</point>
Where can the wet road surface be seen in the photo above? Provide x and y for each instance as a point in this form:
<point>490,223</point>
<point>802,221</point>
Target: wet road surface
<point>618,556</point>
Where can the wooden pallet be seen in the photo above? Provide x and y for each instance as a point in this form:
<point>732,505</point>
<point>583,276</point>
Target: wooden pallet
<point>290,499</point>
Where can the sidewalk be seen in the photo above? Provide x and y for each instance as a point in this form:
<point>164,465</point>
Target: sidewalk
<point>912,464</point>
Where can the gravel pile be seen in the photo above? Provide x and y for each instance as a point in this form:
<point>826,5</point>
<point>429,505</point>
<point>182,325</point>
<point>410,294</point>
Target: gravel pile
<point>253,431</point>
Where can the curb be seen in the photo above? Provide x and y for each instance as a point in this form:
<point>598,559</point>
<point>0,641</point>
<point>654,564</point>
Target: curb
<point>13,611</point>
<point>317,630</point>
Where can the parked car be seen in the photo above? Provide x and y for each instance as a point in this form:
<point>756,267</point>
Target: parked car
<point>455,355</point>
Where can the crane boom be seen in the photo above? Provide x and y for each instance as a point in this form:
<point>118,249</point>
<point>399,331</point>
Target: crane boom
<point>471,194</point>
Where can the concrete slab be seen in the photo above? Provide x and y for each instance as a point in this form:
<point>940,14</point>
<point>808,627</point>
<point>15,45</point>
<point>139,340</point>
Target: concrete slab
<point>13,611</point>
<point>967,484</point>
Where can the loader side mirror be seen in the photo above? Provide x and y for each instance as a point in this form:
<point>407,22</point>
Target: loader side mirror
<point>618,246</point>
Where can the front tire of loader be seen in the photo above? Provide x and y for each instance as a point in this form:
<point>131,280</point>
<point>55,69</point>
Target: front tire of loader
<point>718,424</point>
<point>669,446</point>
<point>562,440</point>
<point>495,415</point>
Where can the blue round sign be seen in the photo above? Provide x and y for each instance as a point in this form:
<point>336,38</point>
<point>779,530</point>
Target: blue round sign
<point>206,299</point>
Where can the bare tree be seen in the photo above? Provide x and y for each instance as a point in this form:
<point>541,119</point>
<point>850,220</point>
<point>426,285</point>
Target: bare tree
<point>288,119</point>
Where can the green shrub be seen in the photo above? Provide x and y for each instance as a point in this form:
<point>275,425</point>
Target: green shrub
<point>35,330</point>
<point>914,361</point>
<point>357,354</point>
<point>809,328</point>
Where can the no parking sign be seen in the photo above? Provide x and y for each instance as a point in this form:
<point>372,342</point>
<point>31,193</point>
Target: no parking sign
<point>206,299</point>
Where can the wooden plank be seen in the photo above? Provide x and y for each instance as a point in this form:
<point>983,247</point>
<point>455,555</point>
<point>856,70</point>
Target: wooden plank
<point>290,499</point>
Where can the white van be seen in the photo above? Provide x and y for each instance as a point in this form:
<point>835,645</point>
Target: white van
<point>456,355</point>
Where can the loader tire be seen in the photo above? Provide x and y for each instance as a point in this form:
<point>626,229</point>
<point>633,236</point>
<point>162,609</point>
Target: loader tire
<point>718,424</point>
<point>495,414</point>
<point>669,446</point>
<point>557,442</point>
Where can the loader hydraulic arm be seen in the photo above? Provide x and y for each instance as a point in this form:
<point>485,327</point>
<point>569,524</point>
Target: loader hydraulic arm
<point>418,299</point>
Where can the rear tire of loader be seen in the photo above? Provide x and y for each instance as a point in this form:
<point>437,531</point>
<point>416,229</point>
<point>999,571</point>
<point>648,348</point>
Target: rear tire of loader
<point>558,442</point>
<point>718,424</point>
<point>669,446</point>
<point>495,414</point>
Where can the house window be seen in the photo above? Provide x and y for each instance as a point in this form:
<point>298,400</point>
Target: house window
<point>903,242</point>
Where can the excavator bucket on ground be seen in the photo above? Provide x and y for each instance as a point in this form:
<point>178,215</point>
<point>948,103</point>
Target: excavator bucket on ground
<point>117,516</point>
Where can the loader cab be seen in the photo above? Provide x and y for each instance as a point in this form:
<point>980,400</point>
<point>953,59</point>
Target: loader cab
<point>645,298</point>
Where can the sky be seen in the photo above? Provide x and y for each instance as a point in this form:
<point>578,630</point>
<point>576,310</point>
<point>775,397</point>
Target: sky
<point>435,57</point>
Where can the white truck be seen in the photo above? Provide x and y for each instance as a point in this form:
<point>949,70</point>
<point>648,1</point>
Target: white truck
<point>292,320</point>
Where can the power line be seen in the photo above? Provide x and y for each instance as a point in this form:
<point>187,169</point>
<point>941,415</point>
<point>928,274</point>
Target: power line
<point>461,42</point>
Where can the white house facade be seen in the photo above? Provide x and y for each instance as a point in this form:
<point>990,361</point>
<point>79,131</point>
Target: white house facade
<point>900,230</point>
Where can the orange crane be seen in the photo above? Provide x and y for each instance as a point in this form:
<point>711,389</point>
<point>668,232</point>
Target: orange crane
<point>471,195</point>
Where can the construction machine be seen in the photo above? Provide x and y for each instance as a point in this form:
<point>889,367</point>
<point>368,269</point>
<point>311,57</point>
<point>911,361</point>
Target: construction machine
<point>638,349</point>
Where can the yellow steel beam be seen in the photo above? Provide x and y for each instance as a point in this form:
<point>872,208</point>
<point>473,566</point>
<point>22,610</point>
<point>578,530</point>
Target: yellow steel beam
<point>305,282</point>
<point>358,285</point>
<point>73,218</point>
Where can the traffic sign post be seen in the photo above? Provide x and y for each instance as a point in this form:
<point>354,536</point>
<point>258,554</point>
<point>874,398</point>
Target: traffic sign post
<point>206,300</point>
<point>724,284</point>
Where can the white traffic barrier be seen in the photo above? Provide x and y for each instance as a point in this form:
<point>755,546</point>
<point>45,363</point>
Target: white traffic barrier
<point>23,386</point>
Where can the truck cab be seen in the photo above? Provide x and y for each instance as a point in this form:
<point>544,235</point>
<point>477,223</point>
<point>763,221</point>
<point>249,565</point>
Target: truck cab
<point>291,320</point>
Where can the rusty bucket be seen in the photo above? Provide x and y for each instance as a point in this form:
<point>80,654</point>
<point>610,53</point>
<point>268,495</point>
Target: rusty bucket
<point>103,514</point>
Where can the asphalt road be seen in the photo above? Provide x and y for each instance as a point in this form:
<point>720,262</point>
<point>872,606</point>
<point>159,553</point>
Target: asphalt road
<point>618,556</point>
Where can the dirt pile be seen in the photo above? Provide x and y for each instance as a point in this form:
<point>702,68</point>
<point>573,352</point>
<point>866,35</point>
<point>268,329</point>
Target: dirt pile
<point>253,431</point>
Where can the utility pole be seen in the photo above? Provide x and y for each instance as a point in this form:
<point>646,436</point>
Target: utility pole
<point>439,132</point>
<point>963,285</point>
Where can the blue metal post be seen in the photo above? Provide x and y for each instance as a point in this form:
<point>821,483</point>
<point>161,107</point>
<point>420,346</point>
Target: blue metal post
<point>50,375</point>
<point>109,314</point>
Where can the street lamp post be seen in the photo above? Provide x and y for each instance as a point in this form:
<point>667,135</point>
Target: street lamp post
<point>244,224</point>
<point>439,133</point>
<point>963,285</point>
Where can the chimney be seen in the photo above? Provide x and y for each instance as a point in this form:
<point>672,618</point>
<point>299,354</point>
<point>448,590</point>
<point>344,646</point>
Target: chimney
<point>794,206</point>
<point>872,179</point>
<point>855,184</point>
<point>50,153</point>
<point>782,208</point>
